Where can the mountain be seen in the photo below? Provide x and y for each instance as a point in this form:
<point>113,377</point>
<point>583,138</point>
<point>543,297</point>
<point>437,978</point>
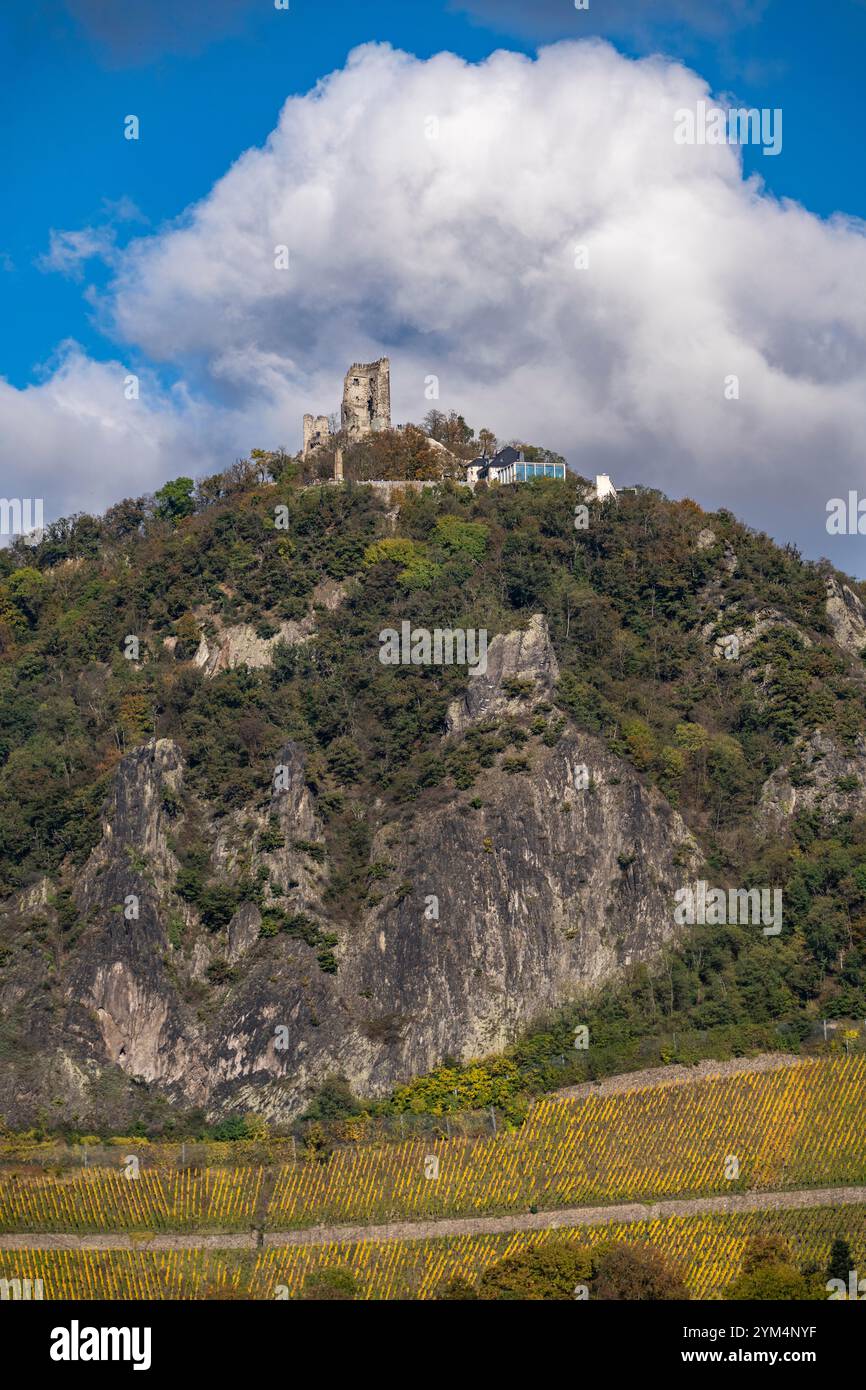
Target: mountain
<point>241,854</point>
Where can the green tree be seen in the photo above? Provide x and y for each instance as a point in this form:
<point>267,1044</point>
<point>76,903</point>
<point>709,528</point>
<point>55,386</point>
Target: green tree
<point>553,1271</point>
<point>175,499</point>
<point>768,1274</point>
<point>840,1262</point>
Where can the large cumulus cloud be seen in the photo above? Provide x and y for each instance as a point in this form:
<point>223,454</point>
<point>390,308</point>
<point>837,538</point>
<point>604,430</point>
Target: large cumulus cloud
<point>432,211</point>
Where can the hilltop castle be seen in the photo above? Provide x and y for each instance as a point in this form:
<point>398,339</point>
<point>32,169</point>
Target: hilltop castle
<point>365,409</point>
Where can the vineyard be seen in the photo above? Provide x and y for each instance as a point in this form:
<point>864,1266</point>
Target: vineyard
<point>707,1248</point>
<point>800,1126</point>
<point>797,1127</point>
<point>106,1199</point>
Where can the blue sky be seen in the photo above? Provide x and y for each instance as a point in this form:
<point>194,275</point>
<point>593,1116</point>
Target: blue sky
<point>212,88</point>
<point>67,88</point>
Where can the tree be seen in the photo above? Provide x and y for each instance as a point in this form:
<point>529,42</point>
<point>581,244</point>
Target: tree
<point>188,635</point>
<point>840,1263</point>
<point>457,1289</point>
<point>553,1271</point>
<point>629,1272</point>
<point>770,1284</point>
<point>768,1274</point>
<point>175,500</point>
<point>435,424</point>
<point>761,1251</point>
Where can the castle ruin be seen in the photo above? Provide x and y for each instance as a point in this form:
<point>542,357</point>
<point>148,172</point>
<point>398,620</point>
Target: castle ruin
<point>365,409</point>
<point>317,431</point>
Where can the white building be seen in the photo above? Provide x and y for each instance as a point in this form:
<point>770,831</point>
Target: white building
<point>603,489</point>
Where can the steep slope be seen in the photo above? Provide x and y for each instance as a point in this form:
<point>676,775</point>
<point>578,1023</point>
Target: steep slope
<point>540,885</point>
<point>241,854</point>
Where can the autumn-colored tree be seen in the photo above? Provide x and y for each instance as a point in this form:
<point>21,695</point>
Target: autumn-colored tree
<point>188,635</point>
<point>134,715</point>
<point>630,1272</point>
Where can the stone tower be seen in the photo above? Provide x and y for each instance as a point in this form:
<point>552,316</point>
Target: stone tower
<point>317,431</point>
<point>366,399</point>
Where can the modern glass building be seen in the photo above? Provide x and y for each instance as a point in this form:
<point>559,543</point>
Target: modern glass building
<point>509,466</point>
<point>524,471</point>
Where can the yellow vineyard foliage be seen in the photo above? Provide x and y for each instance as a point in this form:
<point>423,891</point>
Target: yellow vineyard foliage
<point>708,1249</point>
<point>105,1199</point>
<point>799,1126</point>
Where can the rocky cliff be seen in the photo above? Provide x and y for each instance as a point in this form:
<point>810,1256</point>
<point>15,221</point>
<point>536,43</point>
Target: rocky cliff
<point>496,904</point>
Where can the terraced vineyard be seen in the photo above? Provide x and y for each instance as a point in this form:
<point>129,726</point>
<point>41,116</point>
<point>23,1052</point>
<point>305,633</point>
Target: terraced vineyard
<point>798,1126</point>
<point>129,1274</point>
<point>105,1199</point>
<point>707,1248</point>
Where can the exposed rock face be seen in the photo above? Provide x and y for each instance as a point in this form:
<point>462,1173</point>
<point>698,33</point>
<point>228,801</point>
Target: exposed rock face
<point>490,916</point>
<point>526,656</point>
<point>240,645</point>
<point>847,617</point>
<point>747,634</point>
<point>119,972</point>
<point>827,777</point>
<point>711,596</point>
<point>243,931</point>
<point>542,890</point>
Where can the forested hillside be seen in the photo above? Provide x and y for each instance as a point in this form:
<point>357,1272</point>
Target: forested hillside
<point>116,632</point>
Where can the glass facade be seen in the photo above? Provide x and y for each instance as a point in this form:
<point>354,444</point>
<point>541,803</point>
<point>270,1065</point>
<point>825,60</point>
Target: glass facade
<point>525,471</point>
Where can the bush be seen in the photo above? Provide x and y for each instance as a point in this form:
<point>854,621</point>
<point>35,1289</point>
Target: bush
<point>553,1271</point>
<point>635,1272</point>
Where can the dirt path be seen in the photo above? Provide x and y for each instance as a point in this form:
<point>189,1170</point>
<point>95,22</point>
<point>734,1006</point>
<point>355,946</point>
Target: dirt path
<point>680,1075</point>
<point>454,1226</point>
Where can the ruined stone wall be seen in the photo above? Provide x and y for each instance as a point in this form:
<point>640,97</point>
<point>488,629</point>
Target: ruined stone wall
<point>317,431</point>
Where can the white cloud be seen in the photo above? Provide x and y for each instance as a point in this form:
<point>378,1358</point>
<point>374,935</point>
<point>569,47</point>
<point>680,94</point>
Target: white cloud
<point>77,442</point>
<point>455,256</point>
<point>68,252</point>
